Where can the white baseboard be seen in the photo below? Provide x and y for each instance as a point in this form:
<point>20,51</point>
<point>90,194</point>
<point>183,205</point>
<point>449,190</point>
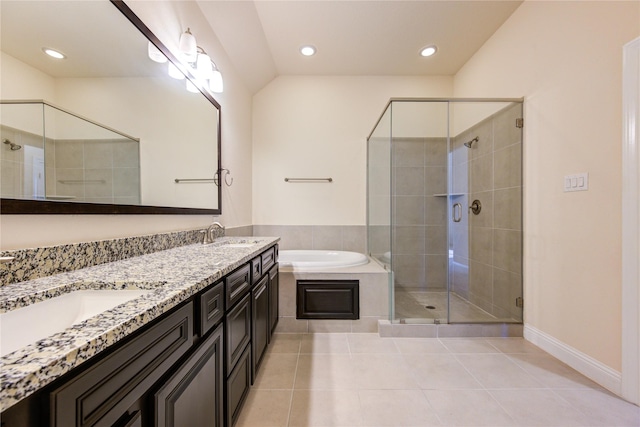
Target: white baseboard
<point>586,365</point>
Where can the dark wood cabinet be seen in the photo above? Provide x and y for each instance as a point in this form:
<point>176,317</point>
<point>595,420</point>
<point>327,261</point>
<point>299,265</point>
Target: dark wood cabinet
<point>260,327</point>
<point>132,420</point>
<point>238,385</point>
<point>237,331</point>
<point>210,308</point>
<point>274,292</point>
<point>269,258</point>
<point>256,270</point>
<point>238,284</point>
<point>104,393</point>
<point>193,366</point>
<point>193,396</point>
<point>327,299</point>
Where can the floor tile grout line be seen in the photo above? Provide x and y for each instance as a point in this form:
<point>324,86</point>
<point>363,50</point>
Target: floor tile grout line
<point>293,388</point>
<point>488,391</point>
<point>576,407</point>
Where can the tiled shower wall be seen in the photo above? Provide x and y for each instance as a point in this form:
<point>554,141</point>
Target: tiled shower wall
<point>420,211</point>
<point>14,172</point>
<point>95,171</point>
<point>487,262</point>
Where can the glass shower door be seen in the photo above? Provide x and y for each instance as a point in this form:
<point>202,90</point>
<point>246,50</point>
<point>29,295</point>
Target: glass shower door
<point>419,219</point>
<point>485,212</point>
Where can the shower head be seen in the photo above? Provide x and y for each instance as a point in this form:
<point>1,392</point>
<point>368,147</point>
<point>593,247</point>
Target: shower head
<point>468,144</point>
<point>12,146</point>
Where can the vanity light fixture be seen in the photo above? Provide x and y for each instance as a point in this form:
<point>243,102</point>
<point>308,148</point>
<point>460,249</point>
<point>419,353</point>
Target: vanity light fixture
<point>308,50</point>
<point>54,53</point>
<point>204,69</point>
<point>428,51</point>
<point>155,54</point>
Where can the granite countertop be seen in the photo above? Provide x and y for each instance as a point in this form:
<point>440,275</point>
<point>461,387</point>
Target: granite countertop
<point>173,275</point>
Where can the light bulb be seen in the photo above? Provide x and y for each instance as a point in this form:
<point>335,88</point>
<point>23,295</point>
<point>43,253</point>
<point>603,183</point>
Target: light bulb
<point>308,50</point>
<point>188,46</point>
<point>215,83</point>
<point>155,54</point>
<point>175,72</point>
<point>428,51</point>
<point>54,53</point>
<point>204,66</point>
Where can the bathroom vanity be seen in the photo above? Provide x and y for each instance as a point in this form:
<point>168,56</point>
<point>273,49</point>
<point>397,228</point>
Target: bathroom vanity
<point>184,354</point>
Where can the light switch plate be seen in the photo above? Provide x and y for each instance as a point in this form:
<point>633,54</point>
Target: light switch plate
<point>576,182</point>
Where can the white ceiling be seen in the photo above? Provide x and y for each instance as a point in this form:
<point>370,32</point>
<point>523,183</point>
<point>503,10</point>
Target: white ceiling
<point>354,37</point>
<point>98,40</point>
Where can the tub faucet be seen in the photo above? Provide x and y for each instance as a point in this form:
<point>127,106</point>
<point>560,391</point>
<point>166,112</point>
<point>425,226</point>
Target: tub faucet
<point>209,236</point>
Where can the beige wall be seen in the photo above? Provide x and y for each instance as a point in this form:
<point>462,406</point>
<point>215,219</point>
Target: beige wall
<point>317,127</point>
<point>166,19</point>
<point>566,59</point>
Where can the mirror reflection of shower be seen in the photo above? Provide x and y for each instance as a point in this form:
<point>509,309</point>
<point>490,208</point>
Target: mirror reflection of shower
<point>12,146</point>
<point>468,143</point>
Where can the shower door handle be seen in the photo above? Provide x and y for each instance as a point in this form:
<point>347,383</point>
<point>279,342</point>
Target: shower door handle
<point>456,212</point>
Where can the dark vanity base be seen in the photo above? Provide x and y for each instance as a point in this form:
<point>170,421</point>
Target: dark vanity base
<point>192,366</point>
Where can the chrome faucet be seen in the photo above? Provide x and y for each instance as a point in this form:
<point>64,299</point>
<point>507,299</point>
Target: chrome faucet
<point>209,236</point>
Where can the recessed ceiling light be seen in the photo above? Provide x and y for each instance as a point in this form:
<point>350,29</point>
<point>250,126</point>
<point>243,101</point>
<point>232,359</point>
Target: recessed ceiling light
<point>53,53</point>
<point>308,50</point>
<point>428,51</point>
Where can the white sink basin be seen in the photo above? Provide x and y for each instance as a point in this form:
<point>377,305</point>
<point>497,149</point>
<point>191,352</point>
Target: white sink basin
<point>26,325</point>
<point>240,243</point>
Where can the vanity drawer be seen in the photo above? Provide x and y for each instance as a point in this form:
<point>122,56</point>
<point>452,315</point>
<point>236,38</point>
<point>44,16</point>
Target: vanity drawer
<point>256,270</point>
<point>101,394</point>
<point>268,258</point>
<point>238,284</point>
<point>210,308</point>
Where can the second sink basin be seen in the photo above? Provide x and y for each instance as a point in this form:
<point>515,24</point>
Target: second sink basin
<point>240,243</point>
<point>26,325</point>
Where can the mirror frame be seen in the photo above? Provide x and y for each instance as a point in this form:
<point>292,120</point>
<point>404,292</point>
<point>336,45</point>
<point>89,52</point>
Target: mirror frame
<point>23,206</point>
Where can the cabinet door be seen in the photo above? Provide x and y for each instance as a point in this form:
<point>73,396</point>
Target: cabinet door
<point>131,420</point>
<point>259,324</point>
<point>193,395</point>
<point>327,299</point>
<point>100,395</point>
<point>274,294</point>
<point>238,385</point>
<point>238,331</point>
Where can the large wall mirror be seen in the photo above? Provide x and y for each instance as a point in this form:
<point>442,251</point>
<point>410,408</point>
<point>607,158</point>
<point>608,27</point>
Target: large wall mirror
<point>104,130</point>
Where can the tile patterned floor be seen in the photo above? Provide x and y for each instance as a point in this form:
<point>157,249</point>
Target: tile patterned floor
<point>349,380</point>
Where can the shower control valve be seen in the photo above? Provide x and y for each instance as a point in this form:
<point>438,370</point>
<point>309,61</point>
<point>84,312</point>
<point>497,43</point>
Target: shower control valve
<point>475,207</point>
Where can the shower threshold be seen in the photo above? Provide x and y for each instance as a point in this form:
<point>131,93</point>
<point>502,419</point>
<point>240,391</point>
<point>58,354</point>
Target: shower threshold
<point>387,328</point>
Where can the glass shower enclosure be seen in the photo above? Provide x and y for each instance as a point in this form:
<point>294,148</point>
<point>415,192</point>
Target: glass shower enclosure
<point>444,208</point>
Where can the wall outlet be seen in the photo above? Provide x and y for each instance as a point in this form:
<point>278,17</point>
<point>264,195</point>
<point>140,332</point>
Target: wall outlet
<point>576,182</point>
